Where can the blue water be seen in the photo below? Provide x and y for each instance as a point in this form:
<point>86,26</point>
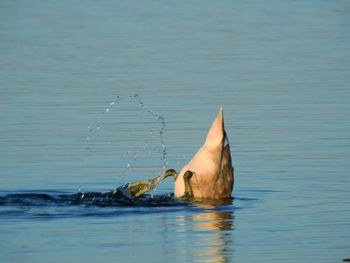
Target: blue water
<point>70,122</point>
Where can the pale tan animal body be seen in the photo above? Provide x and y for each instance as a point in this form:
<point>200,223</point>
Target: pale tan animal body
<point>211,166</point>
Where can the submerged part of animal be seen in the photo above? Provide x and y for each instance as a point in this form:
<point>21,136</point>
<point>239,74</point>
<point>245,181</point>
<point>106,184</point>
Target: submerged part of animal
<point>140,187</point>
<point>211,166</point>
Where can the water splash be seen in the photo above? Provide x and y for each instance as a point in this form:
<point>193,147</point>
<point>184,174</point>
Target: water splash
<point>161,120</point>
<point>118,197</point>
<point>132,152</point>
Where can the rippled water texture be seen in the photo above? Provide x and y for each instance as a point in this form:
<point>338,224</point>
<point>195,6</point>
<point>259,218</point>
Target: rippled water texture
<point>70,124</point>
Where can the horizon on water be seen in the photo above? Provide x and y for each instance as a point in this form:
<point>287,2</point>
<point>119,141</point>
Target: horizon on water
<point>97,94</point>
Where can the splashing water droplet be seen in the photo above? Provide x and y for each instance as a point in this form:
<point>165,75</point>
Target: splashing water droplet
<point>132,153</point>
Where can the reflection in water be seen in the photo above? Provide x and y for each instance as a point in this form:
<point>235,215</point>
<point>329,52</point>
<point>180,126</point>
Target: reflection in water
<point>213,221</point>
<point>213,231</point>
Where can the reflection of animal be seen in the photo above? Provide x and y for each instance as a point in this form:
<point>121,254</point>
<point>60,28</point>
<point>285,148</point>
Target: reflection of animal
<point>211,166</point>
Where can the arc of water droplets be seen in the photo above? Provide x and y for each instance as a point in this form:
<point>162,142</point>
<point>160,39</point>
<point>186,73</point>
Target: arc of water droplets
<point>156,116</point>
<point>161,131</point>
<point>96,125</point>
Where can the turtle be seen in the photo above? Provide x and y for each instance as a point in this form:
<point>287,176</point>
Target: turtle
<point>138,188</point>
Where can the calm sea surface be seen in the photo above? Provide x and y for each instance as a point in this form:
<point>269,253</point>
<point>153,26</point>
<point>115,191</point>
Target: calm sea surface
<point>94,94</point>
